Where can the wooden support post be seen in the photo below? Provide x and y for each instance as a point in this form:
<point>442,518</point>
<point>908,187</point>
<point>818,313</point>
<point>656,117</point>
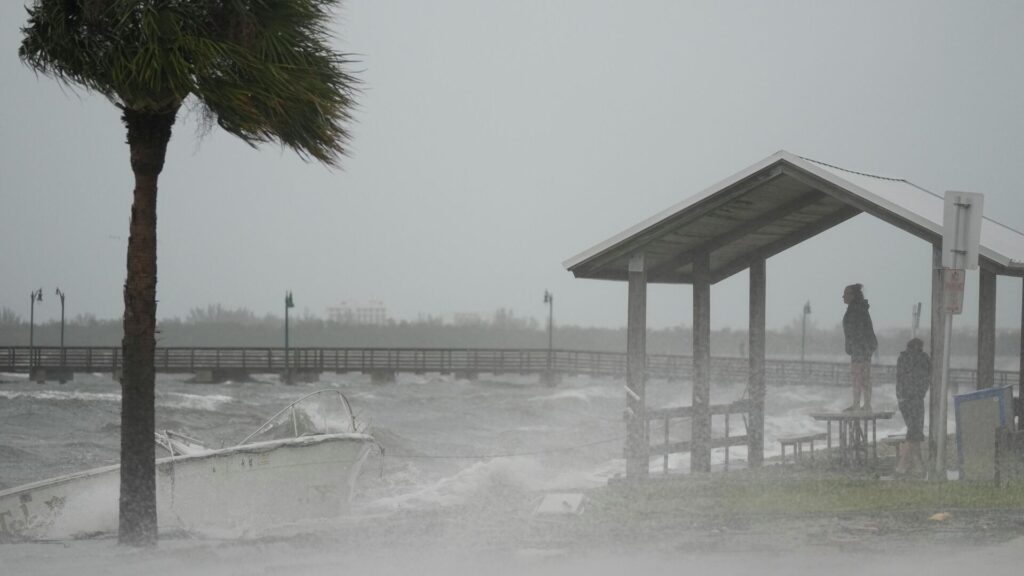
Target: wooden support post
<point>938,330</point>
<point>755,384</point>
<point>700,448</point>
<point>986,328</point>
<point>637,465</point>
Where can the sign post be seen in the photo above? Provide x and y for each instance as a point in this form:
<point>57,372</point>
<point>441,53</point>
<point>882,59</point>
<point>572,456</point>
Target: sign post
<point>961,235</point>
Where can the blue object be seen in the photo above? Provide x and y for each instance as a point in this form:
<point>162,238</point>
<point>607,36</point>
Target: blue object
<point>1002,394</point>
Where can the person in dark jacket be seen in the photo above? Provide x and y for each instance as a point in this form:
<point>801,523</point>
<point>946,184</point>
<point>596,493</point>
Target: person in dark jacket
<point>860,344</point>
<point>913,379</point>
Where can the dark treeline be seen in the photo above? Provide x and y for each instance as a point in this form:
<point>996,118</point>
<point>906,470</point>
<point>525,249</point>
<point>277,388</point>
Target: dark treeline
<point>217,326</point>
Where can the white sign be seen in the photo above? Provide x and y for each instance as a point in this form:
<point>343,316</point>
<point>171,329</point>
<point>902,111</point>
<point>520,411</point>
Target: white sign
<point>961,229</point>
<point>953,290</point>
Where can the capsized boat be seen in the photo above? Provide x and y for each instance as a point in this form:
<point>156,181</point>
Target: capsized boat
<point>301,464</point>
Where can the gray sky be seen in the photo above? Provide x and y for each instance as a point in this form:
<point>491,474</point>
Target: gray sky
<point>496,139</point>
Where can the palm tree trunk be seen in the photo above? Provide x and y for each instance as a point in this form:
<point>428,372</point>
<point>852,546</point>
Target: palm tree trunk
<point>148,134</point>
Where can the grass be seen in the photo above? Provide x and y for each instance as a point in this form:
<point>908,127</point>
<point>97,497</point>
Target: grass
<point>770,492</point>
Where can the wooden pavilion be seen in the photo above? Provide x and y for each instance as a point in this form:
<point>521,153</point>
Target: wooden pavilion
<point>738,224</point>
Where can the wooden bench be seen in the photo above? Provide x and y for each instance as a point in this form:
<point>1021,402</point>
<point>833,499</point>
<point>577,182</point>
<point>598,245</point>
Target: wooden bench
<point>797,442</point>
<point>893,440</point>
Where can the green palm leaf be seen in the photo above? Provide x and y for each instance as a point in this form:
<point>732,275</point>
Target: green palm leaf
<point>262,70</point>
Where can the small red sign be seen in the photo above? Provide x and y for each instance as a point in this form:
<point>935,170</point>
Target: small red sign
<point>953,290</point>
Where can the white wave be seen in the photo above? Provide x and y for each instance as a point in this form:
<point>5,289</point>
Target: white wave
<point>576,479</point>
<point>60,395</point>
<point>194,401</point>
<point>525,472</point>
<point>582,394</point>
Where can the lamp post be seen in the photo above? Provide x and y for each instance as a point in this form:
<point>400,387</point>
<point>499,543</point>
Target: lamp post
<point>60,294</point>
<point>288,303</point>
<point>549,299</point>
<point>803,336</point>
<point>37,296</point>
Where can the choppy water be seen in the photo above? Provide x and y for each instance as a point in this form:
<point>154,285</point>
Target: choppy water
<point>465,461</point>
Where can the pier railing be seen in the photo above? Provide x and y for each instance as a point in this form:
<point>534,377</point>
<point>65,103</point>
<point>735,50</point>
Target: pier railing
<point>256,360</point>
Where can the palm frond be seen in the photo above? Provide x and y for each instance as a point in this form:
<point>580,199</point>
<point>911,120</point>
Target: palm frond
<point>264,69</point>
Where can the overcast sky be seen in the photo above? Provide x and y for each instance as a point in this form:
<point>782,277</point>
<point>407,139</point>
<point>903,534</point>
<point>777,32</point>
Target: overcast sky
<point>494,140</point>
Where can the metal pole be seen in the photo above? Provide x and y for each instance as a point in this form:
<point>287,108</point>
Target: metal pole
<point>31,321</point>
<point>549,299</point>
<point>915,319</point>
<point>939,468</point>
<point>803,338</point>
<point>803,346</point>
<point>61,294</point>
<point>287,365</point>
<point>31,332</point>
<point>940,440</point>
<point>37,296</point>
<point>551,323</point>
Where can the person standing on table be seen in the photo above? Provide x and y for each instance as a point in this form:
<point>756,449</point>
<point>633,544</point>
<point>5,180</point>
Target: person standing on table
<point>913,378</point>
<point>860,344</point>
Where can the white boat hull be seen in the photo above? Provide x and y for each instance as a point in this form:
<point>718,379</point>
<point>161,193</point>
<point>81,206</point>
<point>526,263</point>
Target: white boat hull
<point>235,490</point>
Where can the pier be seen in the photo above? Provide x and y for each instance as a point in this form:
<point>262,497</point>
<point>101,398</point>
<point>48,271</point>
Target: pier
<point>215,364</point>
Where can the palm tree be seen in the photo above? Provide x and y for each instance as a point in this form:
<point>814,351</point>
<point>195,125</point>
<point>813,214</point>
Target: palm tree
<point>260,69</point>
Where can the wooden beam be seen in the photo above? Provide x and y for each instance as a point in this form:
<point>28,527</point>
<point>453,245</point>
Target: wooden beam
<point>743,229</point>
<point>938,330</point>
<point>687,446</point>
<point>863,205</point>
<point>756,382</point>
<point>700,456</point>
<point>737,407</point>
<point>986,328</point>
<point>640,239</point>
<point>784,243</point>
<point>860,203</point>
<point>637,460</point>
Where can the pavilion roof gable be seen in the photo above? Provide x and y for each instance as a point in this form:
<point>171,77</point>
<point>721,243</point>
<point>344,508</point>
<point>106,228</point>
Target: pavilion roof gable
<point>771,206</point>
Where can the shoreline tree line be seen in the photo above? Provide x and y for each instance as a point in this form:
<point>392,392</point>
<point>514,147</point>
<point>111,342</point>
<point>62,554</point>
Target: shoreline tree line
<point>216,325</point>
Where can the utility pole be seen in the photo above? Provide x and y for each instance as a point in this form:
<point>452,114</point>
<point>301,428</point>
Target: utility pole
<point>37,296</point>
<point>288,303</point>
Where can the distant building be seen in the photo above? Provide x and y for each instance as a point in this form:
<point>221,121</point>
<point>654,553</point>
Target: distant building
<point>372,313</point>
<point>468,319</point>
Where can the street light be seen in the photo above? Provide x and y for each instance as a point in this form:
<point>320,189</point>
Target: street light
<point>915,319</point>
<point>803,335</point>
<point>288,303</point>
<point>549,299</point>
<point>60,293</point>
<point>37,296</point>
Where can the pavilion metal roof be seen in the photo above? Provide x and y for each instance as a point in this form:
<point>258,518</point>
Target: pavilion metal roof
<point>771,206</point>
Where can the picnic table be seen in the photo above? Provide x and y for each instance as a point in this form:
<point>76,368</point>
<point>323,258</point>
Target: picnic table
<point>853,429</point>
